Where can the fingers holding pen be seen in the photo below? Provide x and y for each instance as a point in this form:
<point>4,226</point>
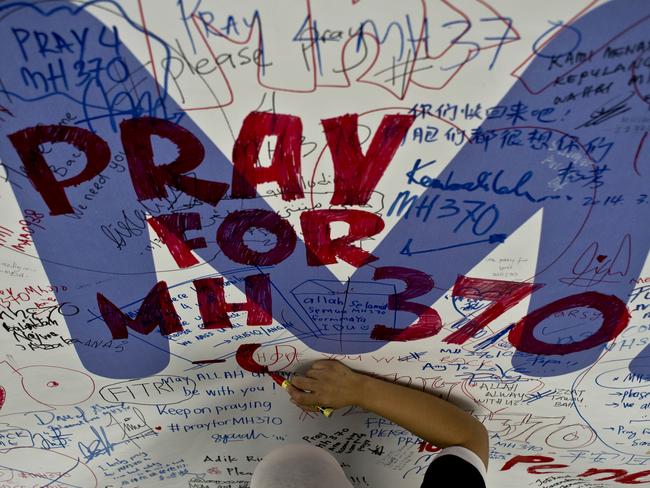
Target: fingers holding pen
<point>327,383</point>
<point>303,399</point>
<point>305,383</point>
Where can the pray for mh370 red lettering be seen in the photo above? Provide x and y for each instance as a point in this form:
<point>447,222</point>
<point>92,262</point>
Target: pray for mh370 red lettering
<point>356,176</point>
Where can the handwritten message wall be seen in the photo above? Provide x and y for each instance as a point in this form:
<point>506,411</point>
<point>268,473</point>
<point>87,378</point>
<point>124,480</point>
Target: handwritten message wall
<point>196,195</point>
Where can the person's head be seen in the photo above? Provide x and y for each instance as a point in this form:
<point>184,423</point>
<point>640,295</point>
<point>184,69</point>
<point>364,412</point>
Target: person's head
<point>299,466</point>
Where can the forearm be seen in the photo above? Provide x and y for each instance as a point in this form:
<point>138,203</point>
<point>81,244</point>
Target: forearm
<point>434,420</point>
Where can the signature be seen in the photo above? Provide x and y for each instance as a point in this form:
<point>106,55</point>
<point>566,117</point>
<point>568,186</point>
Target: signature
<point>603,114</point>
<point>593,268</point>
<point>491,374</point>
<point>131,428</point>
<point>485,181</point>
<point>98,446</point>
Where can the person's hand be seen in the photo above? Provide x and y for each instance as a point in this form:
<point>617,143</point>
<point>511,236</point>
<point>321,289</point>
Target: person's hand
<point>328,383</point>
